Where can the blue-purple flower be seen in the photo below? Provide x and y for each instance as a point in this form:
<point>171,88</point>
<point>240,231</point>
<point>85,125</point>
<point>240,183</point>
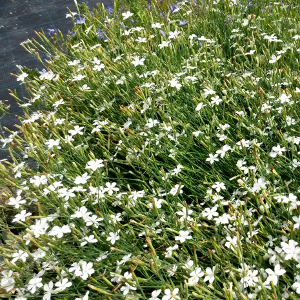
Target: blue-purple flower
<point>52,31</point>
<point>173,7</point>
<point>182,22</point>
<point>162,32</point>
<point>80,21</point>
<point>100,34</point>
<point>71,33</point>
<point>110,9</point>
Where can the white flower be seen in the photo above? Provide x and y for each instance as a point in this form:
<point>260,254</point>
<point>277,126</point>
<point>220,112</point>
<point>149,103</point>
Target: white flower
<point>16,202</point>
<point>51,143</point>
<point>48,288</point>
<point>272,38</point>
<point>127,123</point>
<point>209,213</point>
<point>291,250</point>
<point>110,188</point>
<point>75,267</point>
<point>102,256</point>
<point>259,184</point>
<point>22,77</point>
<point>95,164</point>
<point>215,100</point>
<point>277,151</point>
<point>141,40</point>
<point>81,212</point>
<point>74,62</point>
<point>85,297</point>
<point>210,277</point>
<point>195,276</point>
<point>34,283</point>
<point>175,189</point>
<point>296,287</point>
<point>183,235</point>
<point>164,44</point>
<point>88,239</point>
<point>157,203</point>
<point>156,25</point>
<point>196,133</point>
<point>87,269</point>
<point>40,227</point>
<point>250,52</point>
<point>58,102</point>
<point>199,106</point>
<point>223,150</point>
<point>170,249</point>
<point>154,295</point>
<point>85,87</point>
<point>171,295</point>
<point>273,275</point>
<point>127,288</point>
<point>172,270</point>
<point>231,242</point>
<point>77,130</point>
<point>173,83</point>
<point>98,67</point>
<point>245,22</point>
<point>297,220</point>
<point>113,237</point>
<point>185,214</point>
<point>82,179</point>
<point>151,123</point>
<point>208,92</point>
<point>173,34</point>
<point>59,231</point>
<point>78,77</point>
<point>62,284</point>
<point>285,98</point>
<point>138,61</point>
<point>21,216</point>
<point>250,279</point>
<point>218,186</point>
<point>7,282</point>
<point>127,15</point>
<point>38,180</point>
<point>38,254</point>
<point>274,59</point>
<point>212,158</point>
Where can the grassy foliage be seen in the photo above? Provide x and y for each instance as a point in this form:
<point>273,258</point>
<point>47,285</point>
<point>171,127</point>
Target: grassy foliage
<point>167,151</point>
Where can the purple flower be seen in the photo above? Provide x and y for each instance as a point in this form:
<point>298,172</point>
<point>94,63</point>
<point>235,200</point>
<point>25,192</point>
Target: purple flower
<point>43,71</point>
<point>52,31</point>
<point>110,9</point>
<point>72,34</point>
<point>182,22</point>
<point>162,32</point>
<point>132,21</point>
<point>200,43</point>
<point>80,20</point>
<point>101,35</point>
<point>173,7</point>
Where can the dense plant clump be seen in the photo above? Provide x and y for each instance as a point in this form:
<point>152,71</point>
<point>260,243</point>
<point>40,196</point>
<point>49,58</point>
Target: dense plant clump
<point>166,140</point>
